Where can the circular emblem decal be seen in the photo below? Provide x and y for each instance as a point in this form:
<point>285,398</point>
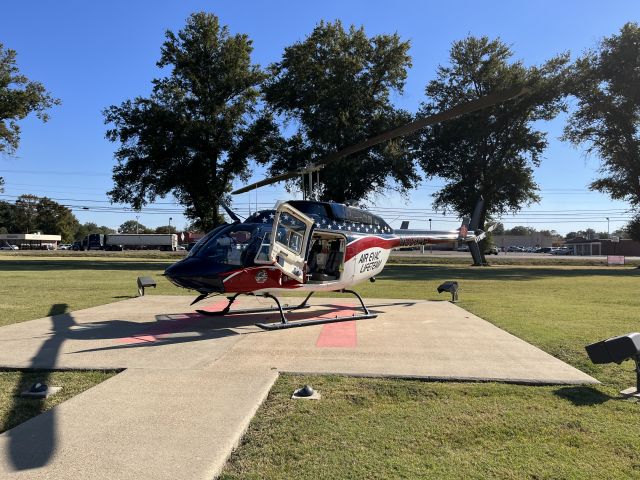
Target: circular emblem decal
<point>261,276</point>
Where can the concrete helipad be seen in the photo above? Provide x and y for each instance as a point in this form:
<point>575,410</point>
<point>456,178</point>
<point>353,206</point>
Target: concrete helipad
<point>191,383</point>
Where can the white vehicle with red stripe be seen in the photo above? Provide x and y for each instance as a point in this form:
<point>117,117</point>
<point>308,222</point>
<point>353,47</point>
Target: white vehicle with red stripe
<point>308,246</point>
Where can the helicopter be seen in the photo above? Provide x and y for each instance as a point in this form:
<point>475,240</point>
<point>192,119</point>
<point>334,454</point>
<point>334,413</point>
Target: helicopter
<point>310,245</point>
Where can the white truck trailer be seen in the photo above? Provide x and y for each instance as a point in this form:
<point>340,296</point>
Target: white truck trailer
<point>142,241</point>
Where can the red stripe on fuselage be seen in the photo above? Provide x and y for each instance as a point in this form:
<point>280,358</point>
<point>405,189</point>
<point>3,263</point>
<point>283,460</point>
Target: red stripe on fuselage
<point>361,244</point>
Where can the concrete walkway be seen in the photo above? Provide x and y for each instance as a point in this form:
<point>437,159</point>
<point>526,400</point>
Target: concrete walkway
<point>193,383</point>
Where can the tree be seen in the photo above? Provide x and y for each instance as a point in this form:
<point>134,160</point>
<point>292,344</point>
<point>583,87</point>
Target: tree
<point>19,97</point>
<point>335,87</point>
<point>491,152</point>
<point>621,233</point>
<point>26,211</point>
<point>197,131</point>
<point>7,217</point>
<point>53,218</point>
<point>588,233</point>
<point>133,226</point>
<point>166,229</point>
<point>499,229</point>
<point>34,214</point>
<point>607,118</point>
<point>91,227</point>
<point>520,230</point>
<point>633,228</point>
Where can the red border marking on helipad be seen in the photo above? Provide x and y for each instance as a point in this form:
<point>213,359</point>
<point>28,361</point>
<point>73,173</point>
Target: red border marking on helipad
<point>339,334</point>
<point>154,332</point>
<point>217,306</point>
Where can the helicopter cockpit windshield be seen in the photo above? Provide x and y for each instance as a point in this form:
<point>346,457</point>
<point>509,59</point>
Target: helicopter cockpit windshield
<point>236,244</point>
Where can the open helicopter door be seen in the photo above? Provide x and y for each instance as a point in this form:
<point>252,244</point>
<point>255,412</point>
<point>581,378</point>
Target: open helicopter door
<point>289,239</point>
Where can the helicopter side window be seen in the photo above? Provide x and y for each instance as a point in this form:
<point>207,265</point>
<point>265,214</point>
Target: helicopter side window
<point>291,233</point>
<point>263,252</point>
<point>231,246</point>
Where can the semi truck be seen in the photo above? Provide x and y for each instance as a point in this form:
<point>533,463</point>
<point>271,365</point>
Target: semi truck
<point>132,241</point>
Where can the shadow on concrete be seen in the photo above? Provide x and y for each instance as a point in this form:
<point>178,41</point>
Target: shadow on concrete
<point>583,396</point>
<point>187,328</point>
<point>29,449</point>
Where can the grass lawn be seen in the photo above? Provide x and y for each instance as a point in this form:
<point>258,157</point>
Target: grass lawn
<point>373,428</point>
<point>31,286</point>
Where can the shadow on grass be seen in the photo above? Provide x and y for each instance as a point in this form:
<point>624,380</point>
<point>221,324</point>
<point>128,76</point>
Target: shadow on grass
<point>437,273</point>
<point>583,396</point>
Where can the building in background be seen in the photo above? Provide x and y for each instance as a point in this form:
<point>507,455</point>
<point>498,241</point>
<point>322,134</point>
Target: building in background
<point>30,241</point>
<point>604,246</point>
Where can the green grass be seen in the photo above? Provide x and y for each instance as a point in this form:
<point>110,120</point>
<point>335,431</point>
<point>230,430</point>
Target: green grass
<point>382,429</point>
<point>373,428</point>
<point>370,428</point>
<point>31,286</point>
<point>15,409</point>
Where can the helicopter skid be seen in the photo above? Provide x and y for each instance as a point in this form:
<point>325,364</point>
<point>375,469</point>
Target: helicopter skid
<point>220,313</point>
<point>313,321</point>
<point>284,323</point>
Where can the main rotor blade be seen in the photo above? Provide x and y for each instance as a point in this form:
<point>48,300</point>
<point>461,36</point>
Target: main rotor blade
<point>411,127</point>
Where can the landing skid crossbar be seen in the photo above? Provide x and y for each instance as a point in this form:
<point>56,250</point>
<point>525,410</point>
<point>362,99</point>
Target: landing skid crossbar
<point>284,323</point>
<point>227,310</point>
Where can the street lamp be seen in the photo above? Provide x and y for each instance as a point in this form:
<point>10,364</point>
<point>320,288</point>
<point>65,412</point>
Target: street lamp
<point>608,226</point>
<point>429,224</point>
<point>170,224</point>
<point>137,223</point>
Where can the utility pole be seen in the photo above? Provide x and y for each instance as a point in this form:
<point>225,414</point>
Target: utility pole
<point>137,223</point>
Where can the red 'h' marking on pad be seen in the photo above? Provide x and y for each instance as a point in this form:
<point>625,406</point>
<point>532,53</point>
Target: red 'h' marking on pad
<point>339,334</point>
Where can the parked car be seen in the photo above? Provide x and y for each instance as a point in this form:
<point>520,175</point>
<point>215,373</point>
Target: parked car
<point>64,246</point>
<point>8,246</point>
<point>180,247</point>
<point>562,251</point>
<point>492,251</point>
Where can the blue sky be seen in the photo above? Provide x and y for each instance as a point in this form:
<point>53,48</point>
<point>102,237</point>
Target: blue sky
<point>95,54</point>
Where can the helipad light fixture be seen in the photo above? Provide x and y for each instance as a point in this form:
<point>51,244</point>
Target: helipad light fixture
<point>452,288</point>
<point>617,350</point>
<point>306,393</point>
<point>144,282</point>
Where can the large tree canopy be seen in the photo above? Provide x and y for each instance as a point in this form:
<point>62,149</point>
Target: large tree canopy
<point>334,88</point>
<point>492,152</point>
<point>606,83</point>
<point>133,226</point>
<point>194,134</point>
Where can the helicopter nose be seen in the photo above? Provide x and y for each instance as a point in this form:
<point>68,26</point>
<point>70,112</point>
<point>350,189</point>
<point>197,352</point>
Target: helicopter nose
<point>196,274</point>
